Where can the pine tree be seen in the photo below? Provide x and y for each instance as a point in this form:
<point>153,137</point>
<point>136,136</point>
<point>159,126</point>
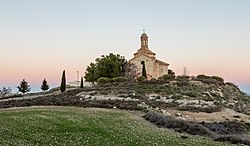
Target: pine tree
<point>63,82</point>
<point>144,73</point>
<point>24,86</point>
<point>44,85</point>
<point>81,86</point>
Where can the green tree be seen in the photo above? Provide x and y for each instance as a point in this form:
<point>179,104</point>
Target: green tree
<point>81,85</point>
<point>91,73</point>
<point>144,72</point>
<point>44,85</point>
<point>108,66</point>
<point>63,82</point>
<point>24,86</point>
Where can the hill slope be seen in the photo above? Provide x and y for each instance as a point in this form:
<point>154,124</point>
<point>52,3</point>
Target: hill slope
<point>86,126</point>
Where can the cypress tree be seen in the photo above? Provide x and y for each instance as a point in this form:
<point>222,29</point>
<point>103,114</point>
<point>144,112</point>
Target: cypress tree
<point>44,85</point>
<point>63,82</point>
<point>144,73</point>
<point>81,85</point>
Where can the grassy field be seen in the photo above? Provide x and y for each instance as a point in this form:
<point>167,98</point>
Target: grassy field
<point>86,126</point>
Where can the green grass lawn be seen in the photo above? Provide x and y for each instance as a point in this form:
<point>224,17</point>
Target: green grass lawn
<point>86,126</point>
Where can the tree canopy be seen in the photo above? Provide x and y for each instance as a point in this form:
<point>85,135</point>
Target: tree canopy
<point>24,86</point>
<point>63,82</point>
<point>44,85</point>
<point>144,72</point>
<point>81,85</point>
<point>108,66</point>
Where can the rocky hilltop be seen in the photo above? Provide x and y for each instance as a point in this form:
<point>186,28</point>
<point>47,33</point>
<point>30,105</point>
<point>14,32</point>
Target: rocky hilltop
<point>196,94</point>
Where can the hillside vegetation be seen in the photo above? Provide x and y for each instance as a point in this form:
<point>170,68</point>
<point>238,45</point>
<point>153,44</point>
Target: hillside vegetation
<point>201,93</point>
<point>86,126</point>
<point>176,96</point>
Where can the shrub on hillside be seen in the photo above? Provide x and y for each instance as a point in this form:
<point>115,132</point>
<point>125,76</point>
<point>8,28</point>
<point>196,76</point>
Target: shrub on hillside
<point>119,79</point>
<point>190,93</point>
<point>178,124</point>
<point>206,79</point>
<point>202,76</point>
<point>69,98</point>
<point>219,79</point>
<point>227,127</point>
<point>193,128</point>
<point>209,109</point>
<point>141,78</point>
<point>167,77</point>
<point>233,85</point>
<point>210,80</point>
<point>182,78</point>
<point>12,96</point>
<point>153,80</point>
<point>235,139</point>
<point>103,80</point>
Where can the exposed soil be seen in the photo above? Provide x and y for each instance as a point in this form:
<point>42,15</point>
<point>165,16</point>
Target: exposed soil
<point>223,115</point>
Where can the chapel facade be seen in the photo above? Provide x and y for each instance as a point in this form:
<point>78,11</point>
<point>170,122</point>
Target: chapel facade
<point>154,68</point>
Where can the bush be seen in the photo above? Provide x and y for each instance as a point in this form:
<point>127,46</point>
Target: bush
<point>193,128</point>
<point>167,77</point>
<point>206,79</point>
<point>190,93</point>
<point>178,124</point>
<point>119,79</point>
<point>209,109</point>
<point>219,79</point>
<point>202,76</point>
<point>210,80</point>
<point>233,85</point>
<point>182,78</point>
<point>235,139</point>
<point>141,78</point>
<point>153,80</point>
<point>103,80</point>
<point>227,127</point>
<point>69,98</point>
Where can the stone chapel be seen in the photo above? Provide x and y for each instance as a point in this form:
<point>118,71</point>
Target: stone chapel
<point>154,68</point>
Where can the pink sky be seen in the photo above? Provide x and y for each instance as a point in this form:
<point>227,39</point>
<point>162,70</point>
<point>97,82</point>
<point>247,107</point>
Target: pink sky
<point>39,39</point>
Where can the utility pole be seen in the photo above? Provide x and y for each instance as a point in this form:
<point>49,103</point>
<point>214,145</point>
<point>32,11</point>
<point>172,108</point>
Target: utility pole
<point>185,71</point>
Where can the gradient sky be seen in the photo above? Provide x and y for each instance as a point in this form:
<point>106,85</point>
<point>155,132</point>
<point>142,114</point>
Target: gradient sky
<point>40,38</point>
